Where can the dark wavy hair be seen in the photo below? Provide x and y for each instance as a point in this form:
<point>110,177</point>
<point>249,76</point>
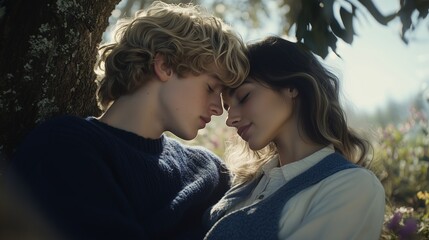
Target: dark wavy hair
<point>278,64</point>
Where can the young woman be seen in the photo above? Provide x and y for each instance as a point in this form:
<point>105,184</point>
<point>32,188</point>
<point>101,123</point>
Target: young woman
<point>117,176</point>
<point>297,177</point>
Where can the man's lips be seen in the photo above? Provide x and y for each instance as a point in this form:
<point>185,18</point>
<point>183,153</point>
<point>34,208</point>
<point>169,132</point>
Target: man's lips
<point>242,130</point>
<point>205,119</point>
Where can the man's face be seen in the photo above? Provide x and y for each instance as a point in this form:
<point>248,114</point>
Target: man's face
<point>189,102</point>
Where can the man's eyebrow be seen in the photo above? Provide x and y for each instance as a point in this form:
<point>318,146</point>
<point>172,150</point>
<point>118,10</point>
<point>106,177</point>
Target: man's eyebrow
<point>219,82</point>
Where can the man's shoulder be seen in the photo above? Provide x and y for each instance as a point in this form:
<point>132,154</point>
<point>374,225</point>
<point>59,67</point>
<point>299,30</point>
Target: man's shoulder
<point>59,128</point>
<point>52,139</point>
<point>63,121</point>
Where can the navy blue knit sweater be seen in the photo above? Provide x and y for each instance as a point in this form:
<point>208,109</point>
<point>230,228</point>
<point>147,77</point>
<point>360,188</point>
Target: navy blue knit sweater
<point>94,181</point>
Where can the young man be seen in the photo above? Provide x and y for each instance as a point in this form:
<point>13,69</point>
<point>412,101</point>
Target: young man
<point>118,176</point>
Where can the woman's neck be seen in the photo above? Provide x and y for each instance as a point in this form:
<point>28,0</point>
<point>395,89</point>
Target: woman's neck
<point>294,147</point>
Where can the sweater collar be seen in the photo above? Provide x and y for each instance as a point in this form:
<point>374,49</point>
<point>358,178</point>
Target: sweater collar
<point>153,146</point>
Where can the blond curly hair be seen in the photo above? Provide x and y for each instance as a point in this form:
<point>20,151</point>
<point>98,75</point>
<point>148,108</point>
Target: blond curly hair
<point>189,38</point>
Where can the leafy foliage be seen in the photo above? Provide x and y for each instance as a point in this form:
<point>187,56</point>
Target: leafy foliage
<point>320,24</point>
<point>401,158</point>
<point>402,155</point>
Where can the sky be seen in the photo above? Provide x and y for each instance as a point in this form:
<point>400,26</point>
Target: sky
<point>378,67</point>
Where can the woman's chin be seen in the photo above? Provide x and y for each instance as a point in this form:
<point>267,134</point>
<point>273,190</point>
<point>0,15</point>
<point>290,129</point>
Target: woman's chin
<point>256,146</point>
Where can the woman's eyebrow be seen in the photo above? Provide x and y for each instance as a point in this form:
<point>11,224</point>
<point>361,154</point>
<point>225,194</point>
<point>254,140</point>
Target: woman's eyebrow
<point>231,91</point>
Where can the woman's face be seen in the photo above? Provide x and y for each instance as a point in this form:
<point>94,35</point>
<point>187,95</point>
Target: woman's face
<point>260,114</point>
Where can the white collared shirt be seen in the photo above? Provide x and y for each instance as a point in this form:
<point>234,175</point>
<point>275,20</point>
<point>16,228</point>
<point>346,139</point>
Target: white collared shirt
<point>347,205</point>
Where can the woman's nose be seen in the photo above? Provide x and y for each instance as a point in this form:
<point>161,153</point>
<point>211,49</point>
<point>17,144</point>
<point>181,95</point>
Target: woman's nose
<point>233,118</point>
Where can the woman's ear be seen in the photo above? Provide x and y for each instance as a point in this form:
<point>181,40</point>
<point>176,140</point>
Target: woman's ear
<point>162,70</point>
<point>291,92</point>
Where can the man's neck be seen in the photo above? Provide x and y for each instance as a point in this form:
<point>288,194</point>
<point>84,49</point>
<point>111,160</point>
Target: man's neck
<point>135,113</point>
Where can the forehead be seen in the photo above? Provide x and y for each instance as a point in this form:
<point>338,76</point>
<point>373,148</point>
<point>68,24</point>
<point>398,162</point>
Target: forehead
<point>214,80</point>
<point>215,70</point>
<point>213,76</point>
<point>229,93</point>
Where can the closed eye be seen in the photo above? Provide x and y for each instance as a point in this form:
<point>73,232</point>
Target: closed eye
<point>243,99</point>
<point>210,89</point>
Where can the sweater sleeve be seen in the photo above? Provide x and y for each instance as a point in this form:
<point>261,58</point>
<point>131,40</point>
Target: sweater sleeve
<point>70,181</point>
<point>348,205</point>
<point>222,180</point>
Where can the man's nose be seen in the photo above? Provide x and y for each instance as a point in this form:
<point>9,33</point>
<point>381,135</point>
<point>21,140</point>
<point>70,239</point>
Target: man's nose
<point>216,106</point>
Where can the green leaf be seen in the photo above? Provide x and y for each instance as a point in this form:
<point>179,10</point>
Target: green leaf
<point>369,5</point>
<point>347,18</point>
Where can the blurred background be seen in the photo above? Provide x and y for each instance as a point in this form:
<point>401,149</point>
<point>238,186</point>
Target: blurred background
<point>384,71</point>
<point>378,48</point>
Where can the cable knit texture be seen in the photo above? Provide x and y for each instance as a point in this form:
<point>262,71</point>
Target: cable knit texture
<point>94,181</point>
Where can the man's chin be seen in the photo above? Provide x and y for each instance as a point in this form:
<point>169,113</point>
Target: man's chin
<point>188,136</point>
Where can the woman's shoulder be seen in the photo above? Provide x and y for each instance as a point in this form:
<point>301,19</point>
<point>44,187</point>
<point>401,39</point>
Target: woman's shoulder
<point>357,180</point>
<point>352,175</point>
<point>358,173</point>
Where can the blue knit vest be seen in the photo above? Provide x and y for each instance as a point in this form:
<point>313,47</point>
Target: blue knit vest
<point>261,220</point>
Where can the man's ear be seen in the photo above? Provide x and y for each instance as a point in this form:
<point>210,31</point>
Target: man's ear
<point>162,70</point>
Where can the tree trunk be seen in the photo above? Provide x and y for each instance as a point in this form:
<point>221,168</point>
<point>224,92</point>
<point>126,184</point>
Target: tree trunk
<point>48,51</point>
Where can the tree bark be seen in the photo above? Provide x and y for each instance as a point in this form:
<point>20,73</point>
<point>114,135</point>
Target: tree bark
<point>48,51</point>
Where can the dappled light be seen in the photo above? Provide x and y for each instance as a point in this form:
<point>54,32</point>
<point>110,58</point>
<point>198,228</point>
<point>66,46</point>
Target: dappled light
<point>379,49</point>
